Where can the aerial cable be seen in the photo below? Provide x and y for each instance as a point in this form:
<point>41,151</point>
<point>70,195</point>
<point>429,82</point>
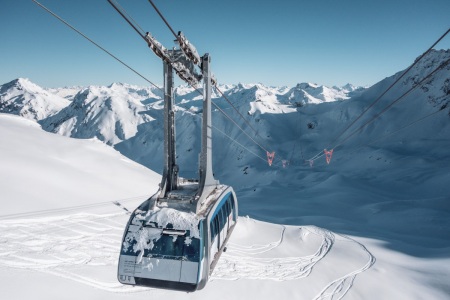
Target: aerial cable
<point>135,26</point>
<point>97,45</point>
<point>235,109</point>
<point>297,140</point>
<point>235,141</point>
<point>395,101</point>
<point>68,208</point>
<point>246,121</point>
<point>127,17</point>
<point>240,128</point>
<point>243,118</point>
<point>215,85</point>
<point>320,154</point>
<point>164,19</point>
<point>234,122</point>
<point>123,14</point>
<point>390,87</point>
<point>401,128</point>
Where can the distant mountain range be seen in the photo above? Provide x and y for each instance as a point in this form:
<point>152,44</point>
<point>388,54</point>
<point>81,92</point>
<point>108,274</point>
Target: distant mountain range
<point>130,117</point>
<point>113,113</point>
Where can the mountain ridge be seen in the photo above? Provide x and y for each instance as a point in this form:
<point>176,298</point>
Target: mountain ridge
<point>130,117</point>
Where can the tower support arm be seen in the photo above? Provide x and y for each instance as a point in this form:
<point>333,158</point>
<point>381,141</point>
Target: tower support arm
<point>207,182</point>
<point>169,180</point>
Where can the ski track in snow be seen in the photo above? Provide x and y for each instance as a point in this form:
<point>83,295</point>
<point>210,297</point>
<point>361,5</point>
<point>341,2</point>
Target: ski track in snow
<point>248,265</point>
<point>339,287</point>
<point>73,246</point>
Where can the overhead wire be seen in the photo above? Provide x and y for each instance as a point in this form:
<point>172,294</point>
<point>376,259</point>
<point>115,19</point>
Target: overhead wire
<point>388,107</point>
<point>321,153</point>
<point>235,141</point>
<point>401,128</point>
<point>237,125</point>
<point>164,19</point>
<point>217,88</point>
<point>128,18</point>
<point>279,158</point>
<point>232,139</point>
<point>138,29</point>
<point>420,83</point>
<point>391,86</point>
<point>229,118</point>
<point>67,208</point>
<point>97,45</point>
<point>235,109</point>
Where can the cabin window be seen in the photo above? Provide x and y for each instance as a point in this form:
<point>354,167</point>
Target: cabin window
<point>232,207</point>
<point>221,219</point>
<point>213,230</point>
<point>168,246</point>
<point>228,207</point>
<point>176,247</point>
<point>191,252</point>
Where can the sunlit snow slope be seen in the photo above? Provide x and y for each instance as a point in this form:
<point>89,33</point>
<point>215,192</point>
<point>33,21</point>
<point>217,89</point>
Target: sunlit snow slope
<point>60,235</point>
<point>372,224</point>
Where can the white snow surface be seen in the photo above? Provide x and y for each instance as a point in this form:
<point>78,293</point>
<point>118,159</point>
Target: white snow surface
<point>146,236</point>
<point>373,224</point>
<point>24,98</point>
<point>180,220</point>
<point>54,170</point>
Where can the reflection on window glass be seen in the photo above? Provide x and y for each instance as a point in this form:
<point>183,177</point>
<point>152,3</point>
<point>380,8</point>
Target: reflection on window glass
<point>170,247</point>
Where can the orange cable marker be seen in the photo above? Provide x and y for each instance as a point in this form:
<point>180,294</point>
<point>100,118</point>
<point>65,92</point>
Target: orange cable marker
<point>328,155</point>
<point>270,157</point>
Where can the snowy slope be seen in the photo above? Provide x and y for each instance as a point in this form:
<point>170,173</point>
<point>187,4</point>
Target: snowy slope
<point>61,234</point>
<point>305,93</point>
<point>53,171</point>
<point>113,113</point>
<point>24,98</point>
<point>65,92</point>
<point>130,117</point>
<point>110,114</point>
<point>373,224</point>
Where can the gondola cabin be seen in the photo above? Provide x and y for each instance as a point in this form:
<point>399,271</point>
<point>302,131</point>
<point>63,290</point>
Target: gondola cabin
<point>167,245</point>
<point>174,239</point>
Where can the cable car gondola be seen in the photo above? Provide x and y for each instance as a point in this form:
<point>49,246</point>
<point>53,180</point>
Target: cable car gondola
<point>174,239</point>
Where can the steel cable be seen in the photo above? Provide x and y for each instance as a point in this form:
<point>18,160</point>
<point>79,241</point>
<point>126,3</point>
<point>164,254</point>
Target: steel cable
<point>391,86</point>
<point>97,45</point>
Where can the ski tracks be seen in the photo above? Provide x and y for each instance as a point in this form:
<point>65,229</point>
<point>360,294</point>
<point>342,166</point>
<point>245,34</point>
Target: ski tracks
<point>244,262</point>
<point>77,247</point>
<point>338,288</point>
<point>85,247</point>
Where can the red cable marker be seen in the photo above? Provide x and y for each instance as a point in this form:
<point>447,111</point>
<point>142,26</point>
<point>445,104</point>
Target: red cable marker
<point>328,155</point>
<point>270,157</point>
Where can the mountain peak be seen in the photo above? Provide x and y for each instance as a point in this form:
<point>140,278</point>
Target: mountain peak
<point>25,98</point>
<point>306,85</point>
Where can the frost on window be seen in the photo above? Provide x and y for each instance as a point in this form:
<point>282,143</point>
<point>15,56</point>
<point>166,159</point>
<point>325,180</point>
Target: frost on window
<point>166,234</point>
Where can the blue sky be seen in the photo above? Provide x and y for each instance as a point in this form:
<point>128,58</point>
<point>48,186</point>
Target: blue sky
<point>273,42</point>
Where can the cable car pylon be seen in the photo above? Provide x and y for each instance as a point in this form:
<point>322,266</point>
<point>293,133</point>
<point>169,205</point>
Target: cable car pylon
<point>174,239</point>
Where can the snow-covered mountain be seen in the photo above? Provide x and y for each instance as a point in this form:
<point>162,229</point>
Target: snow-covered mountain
<point>130,117</point>
<point>24,98</point>
<point>372,224</point>
<point>111,114</point>
<point>305,93</point>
